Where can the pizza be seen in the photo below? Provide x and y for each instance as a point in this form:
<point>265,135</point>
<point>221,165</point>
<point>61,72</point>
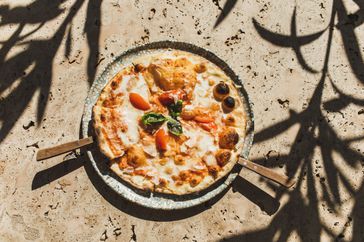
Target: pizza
<point>170,122</point>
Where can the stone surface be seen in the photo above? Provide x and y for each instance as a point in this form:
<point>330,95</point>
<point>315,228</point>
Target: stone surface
<point>302,63</point>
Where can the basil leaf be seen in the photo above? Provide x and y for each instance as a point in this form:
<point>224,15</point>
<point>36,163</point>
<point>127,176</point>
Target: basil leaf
<point>175,109</point>
<point>174,127</point>
<point>151,118</point>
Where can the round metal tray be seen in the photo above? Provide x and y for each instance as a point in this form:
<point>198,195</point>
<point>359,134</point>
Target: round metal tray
<point>100,163</point>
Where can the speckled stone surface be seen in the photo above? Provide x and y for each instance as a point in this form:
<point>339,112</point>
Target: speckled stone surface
<point>302,63</point>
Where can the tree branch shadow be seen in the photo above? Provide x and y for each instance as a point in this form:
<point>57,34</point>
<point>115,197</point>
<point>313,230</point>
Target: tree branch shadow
<point>228,6</point>
<point>301,214</point>
<point>293,41</point>
<point>92,30</point>
<point>31,69</point>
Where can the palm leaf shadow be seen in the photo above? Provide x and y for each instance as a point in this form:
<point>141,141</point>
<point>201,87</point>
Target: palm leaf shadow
<point>293,41</point>
<point>301,213</point>
<point>228,6</point>
<point>351,45</point>
<point>32,67</point>
<point>92,30</point>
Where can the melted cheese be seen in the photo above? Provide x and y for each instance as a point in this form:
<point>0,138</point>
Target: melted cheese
<point>141,87</point>
<point>199,139</point>
<point>121,89</point>
<point>131,135</point>
<point>129,114</point>
<point>151,149</point>
<point>209,159</point>
<point>202,94</point>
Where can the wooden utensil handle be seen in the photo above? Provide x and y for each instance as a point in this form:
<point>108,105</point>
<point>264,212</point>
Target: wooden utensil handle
<point>267,173</point>
<point>63,148</point>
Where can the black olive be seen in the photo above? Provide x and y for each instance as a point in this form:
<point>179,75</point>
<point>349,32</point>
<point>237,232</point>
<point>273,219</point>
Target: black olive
<point>228,104</point>
<point>221,90</point>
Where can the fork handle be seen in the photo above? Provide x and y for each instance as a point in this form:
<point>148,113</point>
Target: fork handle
<point>267,173</point>
<point>63,148</point>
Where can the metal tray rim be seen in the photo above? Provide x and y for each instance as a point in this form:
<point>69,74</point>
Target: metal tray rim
<point>165,202</point>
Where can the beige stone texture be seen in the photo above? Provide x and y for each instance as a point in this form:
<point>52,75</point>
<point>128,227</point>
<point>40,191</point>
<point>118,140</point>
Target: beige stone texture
<point>302,65</point>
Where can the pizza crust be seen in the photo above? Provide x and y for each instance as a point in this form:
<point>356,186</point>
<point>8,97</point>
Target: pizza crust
<point>145,184</point>
<point>101,137</point>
